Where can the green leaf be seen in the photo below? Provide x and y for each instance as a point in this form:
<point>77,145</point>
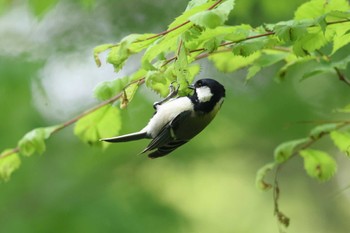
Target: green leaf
<point>340,41</point>
<point>318,68</point>
<point>285,150</point>
<point>292,61</point>
<point>318,164</point>
<point>316,8</point>
<point>213,18</point>
<point>107,89</point>
<point>207,19</point>
<point>261,174</point>
<point>248,47</point>
<point>312,40</point>
<point>159,81</point>
<point>320,130</point>
<point>139,42</point>
<point>252,71</point>
<point>287,31</point>
<point>270,57</point>
<point>162,45</point>
<point>129,45</point>
<point>267,58</point>
<point>104,122</point>
<point>238,33</point>
<point>100,49</point>
<point>128,95</point>
<point>34,141</point>
<point>8,164</point>
<point>181,70</point>
<point>342,141</point>
<point>229,62</point>
<point>191,10</point>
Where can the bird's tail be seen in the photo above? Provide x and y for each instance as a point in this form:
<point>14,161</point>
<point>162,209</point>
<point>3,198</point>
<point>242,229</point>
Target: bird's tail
<point>127,137</point>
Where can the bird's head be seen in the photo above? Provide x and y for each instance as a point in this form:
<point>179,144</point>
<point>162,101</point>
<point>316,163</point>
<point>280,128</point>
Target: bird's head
<point>207,93</point>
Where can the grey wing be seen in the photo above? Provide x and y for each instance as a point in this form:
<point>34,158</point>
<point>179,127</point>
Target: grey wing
<point>166,141</point>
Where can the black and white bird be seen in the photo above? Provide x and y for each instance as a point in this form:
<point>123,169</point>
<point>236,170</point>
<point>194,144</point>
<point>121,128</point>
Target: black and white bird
<point>177,120</point>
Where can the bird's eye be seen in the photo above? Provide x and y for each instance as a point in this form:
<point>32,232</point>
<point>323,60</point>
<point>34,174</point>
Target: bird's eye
<point>199,83</point>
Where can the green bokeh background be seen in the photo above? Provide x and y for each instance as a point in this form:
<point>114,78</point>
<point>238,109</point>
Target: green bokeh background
<point>206,186</point>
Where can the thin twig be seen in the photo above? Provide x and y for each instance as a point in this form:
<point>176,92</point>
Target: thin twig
<point>178,26</point>
<point>75,119</point>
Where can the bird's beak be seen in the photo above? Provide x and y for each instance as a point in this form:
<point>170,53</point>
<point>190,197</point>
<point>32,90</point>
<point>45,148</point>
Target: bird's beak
<point>191,86</point>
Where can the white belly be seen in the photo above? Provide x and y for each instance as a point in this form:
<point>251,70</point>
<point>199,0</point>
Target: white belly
<point>167,112</point>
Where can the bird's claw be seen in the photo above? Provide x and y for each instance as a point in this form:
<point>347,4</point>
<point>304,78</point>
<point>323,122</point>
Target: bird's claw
<point>172,93</point>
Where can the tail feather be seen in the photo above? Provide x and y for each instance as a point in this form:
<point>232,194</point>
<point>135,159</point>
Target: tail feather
<point>126,137</point>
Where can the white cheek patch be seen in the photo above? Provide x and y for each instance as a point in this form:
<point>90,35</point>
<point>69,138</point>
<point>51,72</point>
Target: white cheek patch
<point>204,94</point>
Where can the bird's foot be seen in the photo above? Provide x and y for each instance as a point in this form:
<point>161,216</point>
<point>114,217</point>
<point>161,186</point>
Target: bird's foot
<point>172,93</point>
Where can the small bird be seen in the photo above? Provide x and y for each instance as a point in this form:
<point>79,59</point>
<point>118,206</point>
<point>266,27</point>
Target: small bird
<point>177,120</point>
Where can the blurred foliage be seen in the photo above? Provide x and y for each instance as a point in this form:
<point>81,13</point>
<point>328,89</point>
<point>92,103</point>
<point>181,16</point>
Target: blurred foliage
<point>76,188</point>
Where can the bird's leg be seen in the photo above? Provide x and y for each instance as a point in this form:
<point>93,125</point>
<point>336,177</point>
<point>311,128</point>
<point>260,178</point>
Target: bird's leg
<point>173,92</point>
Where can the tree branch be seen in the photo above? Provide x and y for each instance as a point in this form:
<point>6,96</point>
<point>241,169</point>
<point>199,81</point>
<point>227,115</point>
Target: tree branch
<point>83,114</point>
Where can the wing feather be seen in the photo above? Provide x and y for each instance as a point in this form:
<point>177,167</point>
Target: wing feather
<point>166,141</point>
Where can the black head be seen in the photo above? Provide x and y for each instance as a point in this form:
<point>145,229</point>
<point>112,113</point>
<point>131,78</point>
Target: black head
<point>207,93</point>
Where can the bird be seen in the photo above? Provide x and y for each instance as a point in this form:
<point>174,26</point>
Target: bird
<point>177,120</point>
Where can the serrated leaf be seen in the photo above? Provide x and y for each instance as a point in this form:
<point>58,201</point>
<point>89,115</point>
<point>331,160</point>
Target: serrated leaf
<point>159,81</point>
<point>162,45</point>
<point>34,141</point>
<point>139,42</point>
<point>104,122</point>
<point>8,164</point>
<point>316,8</point>
<point>261,174</point>
<point>320,130</point>
<point>207,19</point>
<point>215,17</point>
<point>118,55</point>
<point>318,164</point>
<point>342,141</point>
<point>285,150</point>
<point>292,30</point>
<point>107,89</point>
<point>129,45</point>
<point>181,70</point>
<point>312,40</point>
<point>229,62</point>
<point>194,9</point>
